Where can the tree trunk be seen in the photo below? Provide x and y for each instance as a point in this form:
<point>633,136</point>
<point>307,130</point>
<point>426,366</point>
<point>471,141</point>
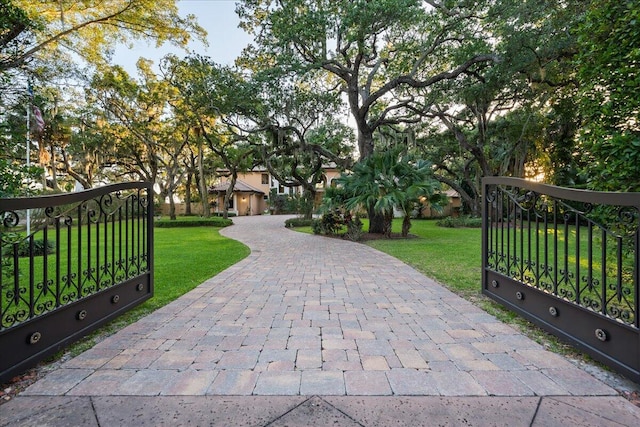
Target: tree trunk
<point>228,195</point>
<point>187,194</point>
<point>53,168</point>
<point>388,222</point>
<point>376,221</point>
<point>202,184</point>
<point>365,140</point>
<point>406,225</point>
<point>86,183</point>
<point>309,199</point>
<point>172,205</point>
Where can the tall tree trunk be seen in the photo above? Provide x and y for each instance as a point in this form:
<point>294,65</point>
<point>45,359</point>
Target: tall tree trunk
<point>172,207</point>
<point>365,144</point>
<point>309,201</point>
<point>53,169</point>
<point>187,194</point>
<point>388,222</point>
<point>202,183</point>
<point>229,194</point>
<point>86,183</point>
<point>43,160</point>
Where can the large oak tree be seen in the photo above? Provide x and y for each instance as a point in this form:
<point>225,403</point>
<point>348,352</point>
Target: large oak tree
<point>371,50</point>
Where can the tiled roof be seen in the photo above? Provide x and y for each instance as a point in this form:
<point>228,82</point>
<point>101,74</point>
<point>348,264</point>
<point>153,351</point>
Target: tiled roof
<point>240,186</point>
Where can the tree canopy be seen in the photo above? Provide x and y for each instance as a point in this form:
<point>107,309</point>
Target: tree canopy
<point>539,89</point>
<point>49,30</point>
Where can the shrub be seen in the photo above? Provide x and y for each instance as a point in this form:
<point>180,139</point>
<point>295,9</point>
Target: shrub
<point>220,214</point>
<point>463,221</point>
<point>39,247</point>
<point>331,223</point>
<point>213,221</point>
<point>7,267</point>
<point>354,229</point>
<point>298,222</point>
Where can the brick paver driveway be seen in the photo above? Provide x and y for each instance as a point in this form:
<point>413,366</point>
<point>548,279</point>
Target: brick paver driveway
<point>308,315</point>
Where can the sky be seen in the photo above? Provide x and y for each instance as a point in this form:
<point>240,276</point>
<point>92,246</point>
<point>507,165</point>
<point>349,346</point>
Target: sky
<point>217,17</point>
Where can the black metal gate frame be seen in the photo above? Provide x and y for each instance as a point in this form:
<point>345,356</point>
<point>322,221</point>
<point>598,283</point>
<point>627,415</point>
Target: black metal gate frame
<point>110,272</point>
<point>567,260</point>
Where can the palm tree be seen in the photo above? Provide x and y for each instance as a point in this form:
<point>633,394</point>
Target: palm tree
<point>390,180</point>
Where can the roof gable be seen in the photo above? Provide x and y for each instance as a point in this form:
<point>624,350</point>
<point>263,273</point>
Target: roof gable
<point>240,187</point>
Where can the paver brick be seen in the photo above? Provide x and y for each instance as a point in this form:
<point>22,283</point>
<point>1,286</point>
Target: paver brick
<point>190,383</point>
<point>411,382</point>
<point>322,383</point>
<point>411,359</point>
<point>308,359</point>
<point>238,383</point>
<point>367,383</point>
<point>501,383</point>
<point>278,383</point>
<point>304,315</point>
<point>375,363</point>
<point>457,383</point>
<point>239,359</point>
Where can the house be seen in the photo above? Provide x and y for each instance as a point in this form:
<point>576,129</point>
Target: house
<point>246,199</point>
<point>252,189</point>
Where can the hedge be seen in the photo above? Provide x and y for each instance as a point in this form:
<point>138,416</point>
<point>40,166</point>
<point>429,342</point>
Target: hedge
<point>193,222</point>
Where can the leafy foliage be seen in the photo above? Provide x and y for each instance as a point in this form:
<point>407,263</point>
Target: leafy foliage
<point>374,51</point>
<point>13,177</point>
<point>298,222</point>
<point>46,29</point>
<point>609,73</point>
<point>39,247</point>
<point>387,181</point>
<point>463,221</point>
<point>193,222</point>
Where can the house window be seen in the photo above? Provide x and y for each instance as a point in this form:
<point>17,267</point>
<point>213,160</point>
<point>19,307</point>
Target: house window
<point>265,179</point>
<point>230,205</point>
<point>280,189</point>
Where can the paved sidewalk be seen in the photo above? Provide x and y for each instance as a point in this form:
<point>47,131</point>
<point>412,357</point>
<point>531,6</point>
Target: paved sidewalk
<point>329,330</point>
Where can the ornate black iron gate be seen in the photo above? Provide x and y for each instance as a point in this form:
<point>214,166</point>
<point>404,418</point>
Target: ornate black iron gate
<point>568,260</point>
<point>70,263</point>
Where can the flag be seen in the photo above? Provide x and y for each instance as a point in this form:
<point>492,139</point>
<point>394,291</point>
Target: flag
<point>38,120</point>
